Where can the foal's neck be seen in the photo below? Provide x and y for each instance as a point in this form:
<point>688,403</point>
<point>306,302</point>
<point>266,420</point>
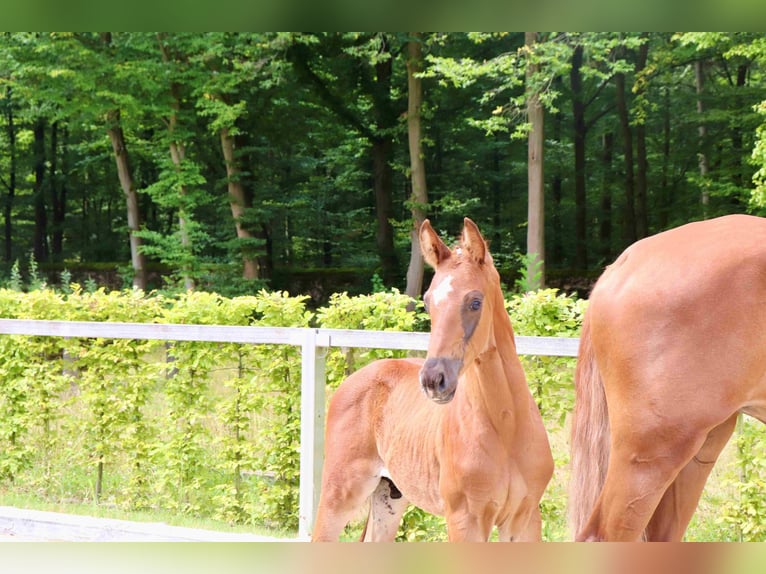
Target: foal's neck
<point>499,379</point>
<point>502,330</point>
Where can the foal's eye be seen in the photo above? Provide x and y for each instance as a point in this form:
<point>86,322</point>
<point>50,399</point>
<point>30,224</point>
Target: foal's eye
<point>475,305</point>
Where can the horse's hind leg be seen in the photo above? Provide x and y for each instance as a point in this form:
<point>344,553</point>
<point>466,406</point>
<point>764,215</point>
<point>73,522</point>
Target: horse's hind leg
<point>679,502</point>
<point>386,508</point>
<point>643,462</point>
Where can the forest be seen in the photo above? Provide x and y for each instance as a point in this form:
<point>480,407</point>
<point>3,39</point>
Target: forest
<point>304,161</point>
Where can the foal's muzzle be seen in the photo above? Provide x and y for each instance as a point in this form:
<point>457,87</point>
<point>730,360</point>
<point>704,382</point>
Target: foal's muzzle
<point>438,378</point>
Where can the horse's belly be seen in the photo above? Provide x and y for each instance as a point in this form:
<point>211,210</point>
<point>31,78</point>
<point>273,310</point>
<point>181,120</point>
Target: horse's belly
<point>425,494</point>
<point>411,460</point>
<point>407,435</point>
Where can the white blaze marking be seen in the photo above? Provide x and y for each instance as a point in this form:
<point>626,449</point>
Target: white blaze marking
<point>442,291</point>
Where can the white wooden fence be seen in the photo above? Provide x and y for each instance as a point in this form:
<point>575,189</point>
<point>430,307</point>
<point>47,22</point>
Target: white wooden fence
<point>314,344</point>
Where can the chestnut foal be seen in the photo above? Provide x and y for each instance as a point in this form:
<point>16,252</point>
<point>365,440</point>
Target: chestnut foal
<point>458,435</point>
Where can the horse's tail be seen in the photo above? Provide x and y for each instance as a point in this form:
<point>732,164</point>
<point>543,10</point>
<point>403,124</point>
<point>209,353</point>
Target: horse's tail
<point>590,436</point>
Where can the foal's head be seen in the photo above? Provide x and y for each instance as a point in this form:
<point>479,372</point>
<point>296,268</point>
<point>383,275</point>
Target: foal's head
<point>460,301</point>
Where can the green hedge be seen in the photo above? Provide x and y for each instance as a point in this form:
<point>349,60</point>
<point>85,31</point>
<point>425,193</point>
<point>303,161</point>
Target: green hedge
<point>212,429</point>
<point>207,429</point>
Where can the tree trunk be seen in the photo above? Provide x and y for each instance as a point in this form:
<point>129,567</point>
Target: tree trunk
<point>419,197</point>
<point>58,198</point>
<point>629,217</point>
<point>536,188</point>
<point>557,194</point>
<point>642,209</point>
<point>580,131</point>
<point>114,130</point>
<point>125,175</point>
<point>40,240</point>
<point>665,191</point>
<point>699,77</point>
<point>605,224</point>
<point>11,184</point>
<point>178,155</point>
<point>738,177</point>
<point>382,147</point>
<point>239,203</point>
<point>382,182</point>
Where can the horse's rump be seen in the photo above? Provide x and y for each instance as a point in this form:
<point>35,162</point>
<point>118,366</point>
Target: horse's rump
<point>673,337</point>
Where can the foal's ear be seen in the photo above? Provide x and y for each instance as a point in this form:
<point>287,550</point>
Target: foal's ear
<point>433,248</point>
<point>473,242</point>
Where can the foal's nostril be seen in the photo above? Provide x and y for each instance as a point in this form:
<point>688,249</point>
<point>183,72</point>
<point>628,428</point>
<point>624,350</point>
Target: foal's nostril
<point>433,381</point>
<point>438,378</point>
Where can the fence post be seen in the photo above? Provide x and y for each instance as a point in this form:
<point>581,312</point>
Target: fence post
<point>313,379</point>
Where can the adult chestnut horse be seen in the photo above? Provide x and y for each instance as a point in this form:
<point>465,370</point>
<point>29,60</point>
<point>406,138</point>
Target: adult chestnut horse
<point>673,346</point>
<point>458,435</point>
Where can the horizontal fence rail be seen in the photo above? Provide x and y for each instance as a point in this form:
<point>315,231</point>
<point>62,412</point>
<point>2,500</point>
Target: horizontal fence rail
<point>313,343</point>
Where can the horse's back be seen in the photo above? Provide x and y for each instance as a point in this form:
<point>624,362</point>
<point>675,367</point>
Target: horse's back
<point>684,310</point>
<point>362,393</point>
<point>378,376</point>
<point>690,260</point>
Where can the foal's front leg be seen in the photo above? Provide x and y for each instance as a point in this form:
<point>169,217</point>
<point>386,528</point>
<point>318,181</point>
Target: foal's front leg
<point>469,521</point>
<point>534,529</point>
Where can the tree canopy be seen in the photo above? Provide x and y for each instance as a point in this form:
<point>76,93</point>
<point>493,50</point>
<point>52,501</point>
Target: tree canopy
<point>228,161</point>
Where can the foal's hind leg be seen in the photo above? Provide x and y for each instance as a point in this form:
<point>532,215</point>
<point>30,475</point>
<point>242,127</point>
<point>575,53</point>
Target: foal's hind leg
<point>677,506</point>
<point>386,508</point>
<point>345,488</point>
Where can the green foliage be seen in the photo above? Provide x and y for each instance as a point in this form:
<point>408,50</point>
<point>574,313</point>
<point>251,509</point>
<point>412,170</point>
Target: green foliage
<point>419,526</point>
<point>528,262</point>
<point>110,378</point>
<point>548,313</point>
<point>305,110</point>
<point>377,283</point>
<point>381,311</point>
<point>15,281</point>
<point>279,441</point>
<point>742,514</point>
<point>114,420</point>
<point>35,281</point>
<point>758,198</point>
